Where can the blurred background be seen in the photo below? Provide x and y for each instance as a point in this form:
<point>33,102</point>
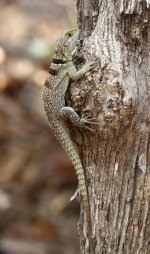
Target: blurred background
<point>36,177</point>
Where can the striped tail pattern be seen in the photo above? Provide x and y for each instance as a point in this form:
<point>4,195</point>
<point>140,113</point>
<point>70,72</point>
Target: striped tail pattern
<point>63,136</point>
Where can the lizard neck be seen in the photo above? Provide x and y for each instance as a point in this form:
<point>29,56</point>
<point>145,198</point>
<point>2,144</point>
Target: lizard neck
<point>61,59</point>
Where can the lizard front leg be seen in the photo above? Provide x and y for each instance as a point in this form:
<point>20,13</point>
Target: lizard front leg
<point>75,75</point>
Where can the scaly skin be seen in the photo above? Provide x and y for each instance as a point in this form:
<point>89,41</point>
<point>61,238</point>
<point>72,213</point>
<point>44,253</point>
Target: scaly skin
<point>61,71</point>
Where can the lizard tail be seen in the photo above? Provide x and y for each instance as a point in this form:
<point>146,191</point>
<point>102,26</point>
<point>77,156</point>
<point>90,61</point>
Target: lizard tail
<point>63,136</point>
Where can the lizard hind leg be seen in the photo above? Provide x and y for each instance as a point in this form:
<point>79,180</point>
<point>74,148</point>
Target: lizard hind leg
<point>66,113</point>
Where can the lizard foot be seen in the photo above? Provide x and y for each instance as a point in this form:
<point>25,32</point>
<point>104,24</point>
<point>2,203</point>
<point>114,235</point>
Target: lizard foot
<point>91,64</point>
<point>74,195</point>
<point>87,120</point>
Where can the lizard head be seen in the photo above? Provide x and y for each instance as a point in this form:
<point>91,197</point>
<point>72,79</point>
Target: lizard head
<point>67,43</point>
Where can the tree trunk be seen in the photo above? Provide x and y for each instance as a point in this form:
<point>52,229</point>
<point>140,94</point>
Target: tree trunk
<point>116,156</point>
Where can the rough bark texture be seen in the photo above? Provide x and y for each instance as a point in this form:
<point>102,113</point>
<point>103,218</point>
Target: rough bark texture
<point>116,157</point>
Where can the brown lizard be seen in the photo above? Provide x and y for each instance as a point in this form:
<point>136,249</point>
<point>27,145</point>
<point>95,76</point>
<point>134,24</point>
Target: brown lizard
<point>61,71</point>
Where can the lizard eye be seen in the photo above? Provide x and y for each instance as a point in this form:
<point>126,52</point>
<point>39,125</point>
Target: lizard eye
<point>64,45</point>
<point>69,34</point>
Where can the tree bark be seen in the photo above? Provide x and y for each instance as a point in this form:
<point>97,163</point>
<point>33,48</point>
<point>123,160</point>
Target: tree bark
<point>116,156</point>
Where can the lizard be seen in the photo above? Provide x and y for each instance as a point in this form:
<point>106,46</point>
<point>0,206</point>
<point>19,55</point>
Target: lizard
<point>62,69</point>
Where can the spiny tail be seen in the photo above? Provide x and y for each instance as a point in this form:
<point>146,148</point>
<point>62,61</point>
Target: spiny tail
<point>63,136</point>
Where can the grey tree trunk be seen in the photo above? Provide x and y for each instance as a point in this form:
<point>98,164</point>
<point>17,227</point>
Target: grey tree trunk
<point>116,156</point>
